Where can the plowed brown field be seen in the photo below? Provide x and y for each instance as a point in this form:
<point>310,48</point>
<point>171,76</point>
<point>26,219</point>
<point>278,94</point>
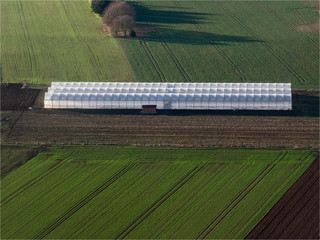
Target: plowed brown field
<point>69,127</point>
<point>296,215</point>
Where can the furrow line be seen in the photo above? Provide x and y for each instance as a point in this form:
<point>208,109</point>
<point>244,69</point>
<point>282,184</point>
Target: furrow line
<point>160,201</point>
<point>284,20</point>
<point>239,198</point>
<point>153,60</point>
<point>219,49</point>
<point>173,56</point>
<point>266,45</point>
<point>83,202</point>
<point>32,182</point>
<point>299,14</point>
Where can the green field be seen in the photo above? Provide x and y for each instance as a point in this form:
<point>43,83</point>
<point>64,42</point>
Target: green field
<point>136,192</point>
<point>199,41</point>
<point>225,41</point>
<point>45,41</point>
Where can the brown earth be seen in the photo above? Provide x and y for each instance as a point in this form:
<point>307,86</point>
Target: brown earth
<point>81,127</point>
<point>296,214</point>
<point>16,96</point>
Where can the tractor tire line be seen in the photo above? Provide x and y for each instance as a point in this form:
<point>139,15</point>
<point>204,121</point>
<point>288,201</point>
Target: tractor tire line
<point>83,202</point>
<point>219,49</point>
<point>173,57</point>
<point>160,201</point>
<point>284,20</point>
<point>153,60</point>
<point>239,197</point>
<point>266,45</point>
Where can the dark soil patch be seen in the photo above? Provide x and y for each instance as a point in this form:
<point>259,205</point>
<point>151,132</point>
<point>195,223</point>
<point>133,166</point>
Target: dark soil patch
<point>17,96</point>
<point>296,215</point>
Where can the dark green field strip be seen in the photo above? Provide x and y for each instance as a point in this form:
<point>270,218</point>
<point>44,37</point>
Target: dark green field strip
<point>265,44</point>
<point>273,11</point>
<point>160,201</point>
<point>83,202</point>
<point>242,77</point>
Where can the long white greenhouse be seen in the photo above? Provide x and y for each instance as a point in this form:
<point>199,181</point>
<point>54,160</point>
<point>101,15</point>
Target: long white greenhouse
<point>194,96</point>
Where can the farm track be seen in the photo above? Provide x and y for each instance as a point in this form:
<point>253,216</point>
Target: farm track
<point>296,214</point>
<point>76,30</point>
<point>30,183</point>
<point>27,38</point>
<point>176,61</point>
<point>83,202</point>
<point>299,14</point>
<point>239,198</point>
<point>266,45</point>
<point>241,75</point>
<point>160,201</point>
<point>153,61</point>
<point>289,24</point>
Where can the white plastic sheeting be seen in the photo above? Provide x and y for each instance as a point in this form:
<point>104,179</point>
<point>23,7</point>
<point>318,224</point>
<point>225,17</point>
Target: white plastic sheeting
<point>206,96</point>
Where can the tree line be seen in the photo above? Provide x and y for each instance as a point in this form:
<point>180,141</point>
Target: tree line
<point>118,16</point>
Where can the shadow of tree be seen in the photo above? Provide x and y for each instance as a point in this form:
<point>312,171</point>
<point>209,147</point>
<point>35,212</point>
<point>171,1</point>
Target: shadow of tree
<point>162,24</point>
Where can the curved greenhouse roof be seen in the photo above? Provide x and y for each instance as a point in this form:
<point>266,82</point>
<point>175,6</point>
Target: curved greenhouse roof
<point>206,96</point>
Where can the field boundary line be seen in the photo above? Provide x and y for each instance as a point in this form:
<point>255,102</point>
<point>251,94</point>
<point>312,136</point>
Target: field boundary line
<point>218,48</point>
<point>284,20</point>
<point>83,202</point>
<point>266,45</point>
<point>240,196</point>
<point>30,183</point>
<point>160,201</point>
<point>174,58</point>
<point>153,60</point>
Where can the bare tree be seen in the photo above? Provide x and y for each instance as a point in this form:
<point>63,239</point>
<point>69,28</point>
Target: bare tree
<point>123,24</point>
<point>120,17</point>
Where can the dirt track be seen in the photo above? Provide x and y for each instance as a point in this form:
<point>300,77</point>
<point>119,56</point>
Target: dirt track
<point>296,215</point>
<point>67,127</point>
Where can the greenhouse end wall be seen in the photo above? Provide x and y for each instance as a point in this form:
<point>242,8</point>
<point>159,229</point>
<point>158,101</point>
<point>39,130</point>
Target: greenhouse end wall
<point>184,96</point>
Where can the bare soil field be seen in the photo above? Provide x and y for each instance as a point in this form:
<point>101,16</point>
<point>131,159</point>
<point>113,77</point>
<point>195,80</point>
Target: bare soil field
<point>79,127</point>
<point>16,96</point>
<point>296,215</point>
